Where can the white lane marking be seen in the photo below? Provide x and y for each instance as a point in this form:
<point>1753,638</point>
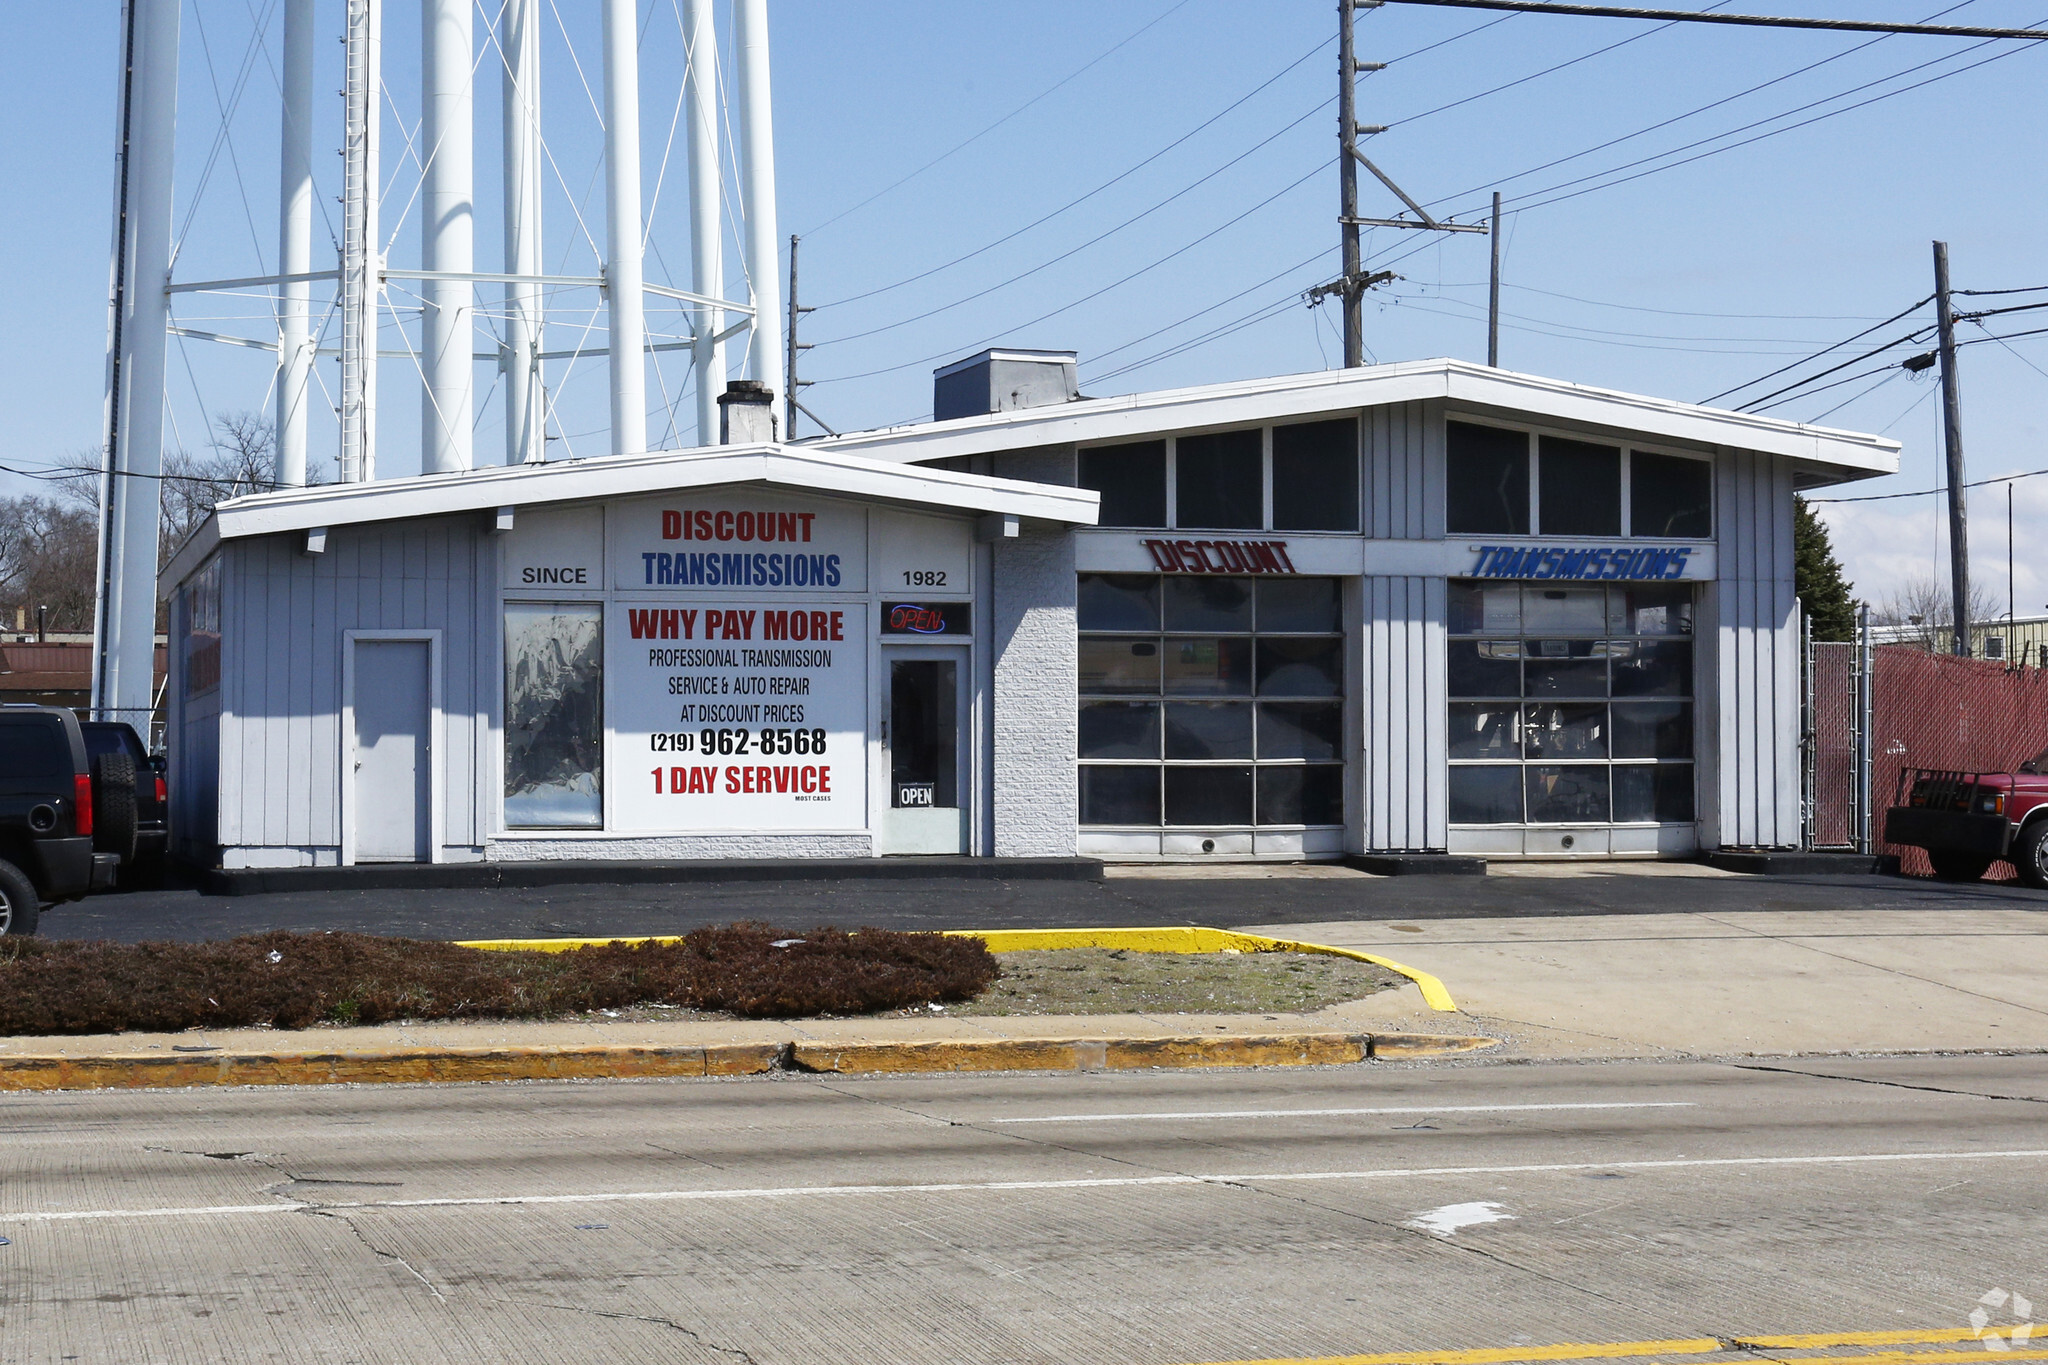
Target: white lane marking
<point>1003,1186</point>
<point>1448,1219</point>
<point>1326,1113</point>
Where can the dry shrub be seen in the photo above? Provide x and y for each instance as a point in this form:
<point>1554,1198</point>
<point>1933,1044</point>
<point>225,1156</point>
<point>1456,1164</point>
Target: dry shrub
<point>290,980</point>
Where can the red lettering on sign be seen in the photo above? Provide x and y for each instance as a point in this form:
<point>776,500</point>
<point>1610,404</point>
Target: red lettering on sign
<point>1220,556</point>
<point>671,525</point>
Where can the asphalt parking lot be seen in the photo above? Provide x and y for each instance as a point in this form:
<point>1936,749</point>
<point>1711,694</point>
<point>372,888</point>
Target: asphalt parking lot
<point>1220,896</point>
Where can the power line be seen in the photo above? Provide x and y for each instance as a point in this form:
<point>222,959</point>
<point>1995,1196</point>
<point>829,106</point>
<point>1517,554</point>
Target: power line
<point>1170,11</point>
<point>1749,20</point>
<point>1114,180</point>
<point>1932,492</point>
<point>1782,369</point>
<point>1670,312</point>
<point>1126,279</point>
<point>1076,250</point>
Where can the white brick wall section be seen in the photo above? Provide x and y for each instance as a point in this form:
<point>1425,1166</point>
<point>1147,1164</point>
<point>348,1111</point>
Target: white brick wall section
<point>1037,807</point>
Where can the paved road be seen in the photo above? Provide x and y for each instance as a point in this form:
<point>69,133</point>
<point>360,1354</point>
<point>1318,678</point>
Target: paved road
<point>1219,899</point>
<point>1125,1219</point>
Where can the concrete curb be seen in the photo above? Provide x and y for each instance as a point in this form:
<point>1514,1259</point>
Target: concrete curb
<point>1184,939</point>
<point>420,1065</point>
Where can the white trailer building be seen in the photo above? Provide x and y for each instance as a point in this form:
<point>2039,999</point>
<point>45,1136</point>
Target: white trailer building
<point>1409,609</point>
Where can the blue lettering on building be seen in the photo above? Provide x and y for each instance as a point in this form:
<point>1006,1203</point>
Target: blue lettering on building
<point>756,570</point>
<point>1541,562</point>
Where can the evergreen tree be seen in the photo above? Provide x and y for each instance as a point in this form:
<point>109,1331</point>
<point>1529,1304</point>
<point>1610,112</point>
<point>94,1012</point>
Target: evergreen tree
<point>1817,578</point>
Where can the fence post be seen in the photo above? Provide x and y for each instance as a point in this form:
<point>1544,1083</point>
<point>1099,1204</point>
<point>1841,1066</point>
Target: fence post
<point>1860,792</point>
<point>1809,732</point>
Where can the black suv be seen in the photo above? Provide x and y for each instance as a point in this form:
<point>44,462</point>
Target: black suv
<point>48,805</point>
<point>142,865</point>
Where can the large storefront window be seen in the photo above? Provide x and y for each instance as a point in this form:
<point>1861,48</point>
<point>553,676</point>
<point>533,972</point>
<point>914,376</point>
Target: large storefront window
<point>1571,705</point>
<point>1211,701</point>
<point>554,714</point>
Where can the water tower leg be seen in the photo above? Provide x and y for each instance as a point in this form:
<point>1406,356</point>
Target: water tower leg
<point>125,653</point>
<point>707,356</point>
<point>295,244</point>
<point>757,189</point>
<point>447,235</point>
<point>519,35</point>
<point>622,226</point>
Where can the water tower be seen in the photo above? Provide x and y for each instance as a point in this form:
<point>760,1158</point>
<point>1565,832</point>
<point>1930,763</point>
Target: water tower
<point>343,301</point>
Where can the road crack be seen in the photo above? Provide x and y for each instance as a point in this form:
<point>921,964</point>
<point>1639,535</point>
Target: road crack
<point>736,1352</point>
<point>1896,1085</point>
<point>316,1211</point>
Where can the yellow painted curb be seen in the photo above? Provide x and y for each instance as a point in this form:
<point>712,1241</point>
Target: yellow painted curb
<point>414,1065</point>
<point>389,1066</point>
<point>1180,939</point>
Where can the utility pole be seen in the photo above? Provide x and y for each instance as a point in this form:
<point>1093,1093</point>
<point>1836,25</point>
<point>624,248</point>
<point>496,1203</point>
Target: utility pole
<point>1352,286</point>
<point>1493,289</point>
<point>1952,442</point>
<point>790,383</point>
<point>1347,141</point>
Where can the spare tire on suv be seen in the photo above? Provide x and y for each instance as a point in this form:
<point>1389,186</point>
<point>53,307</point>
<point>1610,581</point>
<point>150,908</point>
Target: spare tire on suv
<point>114,814</point>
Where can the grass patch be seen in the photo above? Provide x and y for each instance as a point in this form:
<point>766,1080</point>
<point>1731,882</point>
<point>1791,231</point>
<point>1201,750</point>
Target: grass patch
<point>293,981</point>
<point>1117,981</point>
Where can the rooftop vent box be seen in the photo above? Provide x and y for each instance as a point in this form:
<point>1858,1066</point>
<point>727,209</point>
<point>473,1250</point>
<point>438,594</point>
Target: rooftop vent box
<point>1003,381</point>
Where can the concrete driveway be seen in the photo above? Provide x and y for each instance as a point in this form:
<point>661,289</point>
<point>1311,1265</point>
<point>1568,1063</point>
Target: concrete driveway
<point>1221,895</point>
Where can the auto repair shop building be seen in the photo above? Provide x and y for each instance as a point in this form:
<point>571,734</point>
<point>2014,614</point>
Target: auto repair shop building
<point>1420,607</point>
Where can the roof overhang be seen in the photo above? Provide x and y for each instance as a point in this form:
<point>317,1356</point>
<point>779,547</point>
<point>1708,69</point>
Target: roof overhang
<point>1845,454</point>
<point>830,472</point>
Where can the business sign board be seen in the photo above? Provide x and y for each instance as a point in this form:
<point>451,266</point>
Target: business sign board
<point>1583,563</point>
<point>688,546</point>
<point>738,713</point>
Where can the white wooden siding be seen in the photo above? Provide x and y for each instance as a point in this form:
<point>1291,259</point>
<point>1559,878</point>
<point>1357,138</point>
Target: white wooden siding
<point>283,613</point>
<point>1403,472</point>
<point>1406,756</point>
<point>1748,715</point>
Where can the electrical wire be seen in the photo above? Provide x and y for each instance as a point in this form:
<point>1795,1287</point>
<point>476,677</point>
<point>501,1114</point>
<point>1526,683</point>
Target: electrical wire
<point>1671,312</point>
<point>1168,13</point>
<point>1782,369</point>
<point>1086,298</point>
<point>1076,250</point>
<point>1074,203</point>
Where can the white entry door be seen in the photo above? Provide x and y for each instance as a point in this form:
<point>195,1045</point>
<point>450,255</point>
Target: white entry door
<point>924,701</point>
<point>393,753</point>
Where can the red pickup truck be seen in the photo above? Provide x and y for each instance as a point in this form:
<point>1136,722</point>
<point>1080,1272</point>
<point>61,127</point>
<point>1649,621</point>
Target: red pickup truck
<point>1966,821</point>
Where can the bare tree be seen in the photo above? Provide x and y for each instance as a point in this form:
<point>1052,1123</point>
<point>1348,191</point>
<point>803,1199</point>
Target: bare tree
<point>49,553</point>
<point>1923,611</point>
<point>240,459</point>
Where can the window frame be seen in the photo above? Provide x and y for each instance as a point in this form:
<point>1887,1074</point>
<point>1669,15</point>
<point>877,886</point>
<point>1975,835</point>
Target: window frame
<point>1523,761</point>
<point>1628,447</point>
<point>1265,429</point>
<point>1252,698</point>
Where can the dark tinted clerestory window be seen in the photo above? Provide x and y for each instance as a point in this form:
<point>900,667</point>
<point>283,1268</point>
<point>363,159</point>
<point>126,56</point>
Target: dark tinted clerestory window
<point>1579,488</point>
<point>1315,476</point>
<point>1220,481</point>
<point>1132,481</point>
<point>1670,496</point>
<point>1487,480</point>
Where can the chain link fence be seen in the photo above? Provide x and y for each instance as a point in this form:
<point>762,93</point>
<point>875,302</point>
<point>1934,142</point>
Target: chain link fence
<point>1885,708</point>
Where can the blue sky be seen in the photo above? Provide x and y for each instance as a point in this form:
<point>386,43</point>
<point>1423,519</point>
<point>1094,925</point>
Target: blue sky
<point>1197,137</point>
